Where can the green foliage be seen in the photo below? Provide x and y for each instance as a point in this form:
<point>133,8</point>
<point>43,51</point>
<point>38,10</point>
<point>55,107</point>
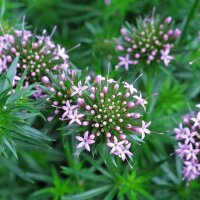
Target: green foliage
<point>15,109</point>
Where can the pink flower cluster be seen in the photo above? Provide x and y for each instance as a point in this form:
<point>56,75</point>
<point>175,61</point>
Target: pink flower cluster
<point>109,112</point>
<point>188,137</point>
<point>37,54</point>
<point>62,91</point>
<point>151,41</point>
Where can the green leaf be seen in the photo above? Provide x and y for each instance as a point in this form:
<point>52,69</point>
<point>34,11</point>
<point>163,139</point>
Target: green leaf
<point>15,169</point>
<point>89,194</point>
<point>11,73</point>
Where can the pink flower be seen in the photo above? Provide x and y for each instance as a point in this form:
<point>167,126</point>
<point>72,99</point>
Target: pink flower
<point>75,117</point>
<point>3,65</point>
<point>78,90</point>
<point>140,101</point>
<point>85,141</point>
<point>125,62</point>
<point>67,108</point>
<point>196,120</point>
<point>125,151</point>
<point>115,145</point>
<point>166,57</point>
<point>61,53</point>
<point>191,153</point>
<point>142,130</point>
<point>129,87</point>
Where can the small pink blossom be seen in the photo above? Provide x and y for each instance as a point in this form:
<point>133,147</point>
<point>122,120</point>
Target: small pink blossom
<point>115,145</point>
<point>78,90</point>
<point>196,120</point>
<point>130,87</point>
<point>140,100</point>
<point>85,141</point>
<point>68,108</point>
<point>166,57</point>
<point>75,117</point>
<point>124,61</point>
<point>142,130</point>
<point>61,53</point>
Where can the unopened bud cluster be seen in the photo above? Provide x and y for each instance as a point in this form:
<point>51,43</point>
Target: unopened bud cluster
<point>150,41</point>
<point>111,113</point>
<point>37,54</point>
<point>60,92</point>
<point>188,137</point>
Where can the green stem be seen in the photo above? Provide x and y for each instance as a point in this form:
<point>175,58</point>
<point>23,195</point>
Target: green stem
<point>187,21</point>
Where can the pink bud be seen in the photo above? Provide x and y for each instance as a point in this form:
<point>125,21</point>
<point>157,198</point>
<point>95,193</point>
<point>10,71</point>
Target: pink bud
<point>105,90</point>
<point>127,95</point>
<point>137,55</point>
<point>143,50</point>
<point>119,94</point>
<point>8,58</point>
<point>92,136</point>
<point>130,104</point>
<point>129,50</point>
<point>177,33</point>
<point>108,135</point>
<point>126,142</point>
<point>120,120</point>
<point>117,128</point>
<point>120,48</point>
<point>61,83</point>
<point>13,50</point>
<point>92,96</point>
<point>128,126</point>
<point>134,46</point>
<point>88,107</point>
<point>85,123</point>
<point>165,37</point>
<point>128,39</point>
<point>96,125</point>
<point>170,32</point>
<point>24,43</point>
<point>34,45</point>
<point>93,89</point>
<point>55,103</point>
<point>81,102</point>
<point>52,90</point>
<point>128,115</point>
<point>45,79</point>
<point>98,79</point>
<point>122,136</point>
<point>33,74</point>
<point>101,95</point>
<point>116,87</point>
<point>63,77</point>
<point>153,53</point>
<point>37,57</point>
<point>123,31</point>
<point>150,57</point>
<point>136,115</point>
<point>49,119</point>
<point>168,19</point>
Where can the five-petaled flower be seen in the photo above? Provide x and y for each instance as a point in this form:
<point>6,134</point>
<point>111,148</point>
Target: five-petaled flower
<point>78,90</point>
<point>85,141</point>
<point>142,130</point>
<point>75,117</point>
<point>115,145</point>
<point>166,57</point>
<point>125,61</point>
